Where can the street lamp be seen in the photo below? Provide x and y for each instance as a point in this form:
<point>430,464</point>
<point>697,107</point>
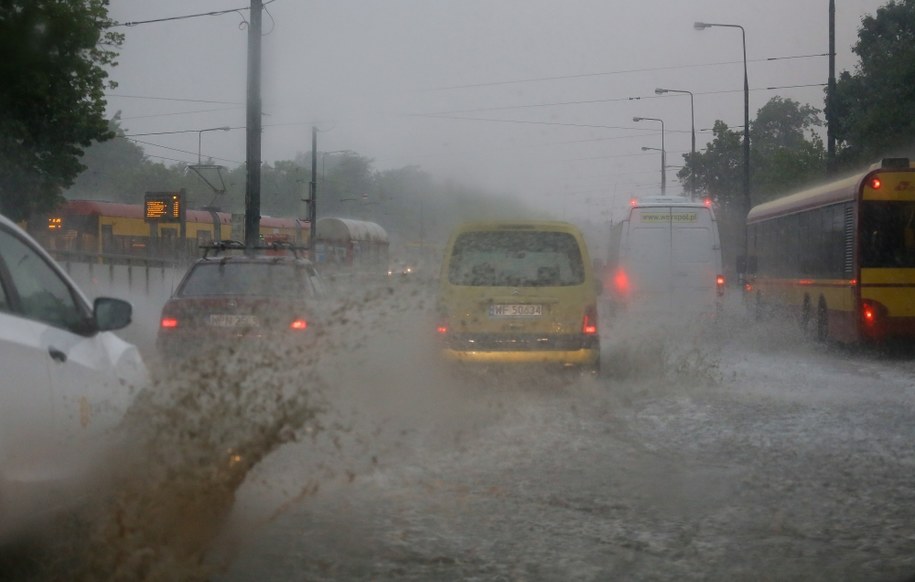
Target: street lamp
<point>746,115</point>
<point>692,114</point>
<point>200,136</point>
<point>663,151</point>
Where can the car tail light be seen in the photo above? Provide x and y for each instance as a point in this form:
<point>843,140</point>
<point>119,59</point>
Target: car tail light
<point>589,321</point>
<point>719,284</point>
<point>298,324</point>
<point>621,282</point>
<point>169,323</point>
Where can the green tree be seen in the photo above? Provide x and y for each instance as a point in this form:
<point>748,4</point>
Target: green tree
<point>873,106</point>
<point>786,152</point>
<point>51,97</point>
<point>718,170</point>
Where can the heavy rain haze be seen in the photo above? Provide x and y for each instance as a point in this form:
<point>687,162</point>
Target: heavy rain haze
<point>532,98</point>
<point>713,442</point>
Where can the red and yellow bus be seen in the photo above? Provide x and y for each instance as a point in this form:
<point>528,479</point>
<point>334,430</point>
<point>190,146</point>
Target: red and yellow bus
<point>840,257</point>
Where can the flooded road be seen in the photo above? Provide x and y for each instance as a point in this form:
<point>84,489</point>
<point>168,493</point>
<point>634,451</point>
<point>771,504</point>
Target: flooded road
<point>721,453</point>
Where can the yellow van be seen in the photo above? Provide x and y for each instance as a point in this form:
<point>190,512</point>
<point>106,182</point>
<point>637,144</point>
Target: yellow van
<point>519,293</point>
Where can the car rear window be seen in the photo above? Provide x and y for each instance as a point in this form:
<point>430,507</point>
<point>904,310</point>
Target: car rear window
<point>254,279</point>
<point>516,259</point>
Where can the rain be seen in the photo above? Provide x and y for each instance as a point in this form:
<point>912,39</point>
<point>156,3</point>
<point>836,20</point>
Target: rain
<point>754,437</point>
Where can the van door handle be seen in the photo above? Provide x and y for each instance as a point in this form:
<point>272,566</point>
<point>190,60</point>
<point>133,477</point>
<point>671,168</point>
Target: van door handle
<point>57,355</point>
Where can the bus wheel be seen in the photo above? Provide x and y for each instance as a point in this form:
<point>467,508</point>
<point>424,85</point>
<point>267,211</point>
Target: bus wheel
<point>804,321</point>
<point>822,321</point>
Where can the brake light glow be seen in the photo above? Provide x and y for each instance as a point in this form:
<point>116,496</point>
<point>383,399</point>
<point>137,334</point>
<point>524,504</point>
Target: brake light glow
<point>442,328</point>
<point>298,324</point>
<point>169,322</point>
<point>719,284</point>
<point>633,201</point>
<point>589,321</point>
<point>708,202</point>
<point>621,281</point>
<point>875,183</point>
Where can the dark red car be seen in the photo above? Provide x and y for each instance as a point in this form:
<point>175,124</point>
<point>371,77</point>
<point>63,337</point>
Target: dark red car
<point>248,300</point>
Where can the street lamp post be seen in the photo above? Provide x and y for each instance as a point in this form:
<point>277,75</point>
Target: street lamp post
<point>692,114</point>
<point>746,117</point>
<point>200,138</point>
<point>663,151</point>
<point>663,162</point>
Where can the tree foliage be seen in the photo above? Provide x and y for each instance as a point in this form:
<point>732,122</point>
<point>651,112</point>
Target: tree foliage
<point>873,106</point>
<point>785,154</point>
<point>52,82</point>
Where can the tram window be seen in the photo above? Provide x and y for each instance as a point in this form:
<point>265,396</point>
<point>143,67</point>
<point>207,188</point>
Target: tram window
<point>108,239</point>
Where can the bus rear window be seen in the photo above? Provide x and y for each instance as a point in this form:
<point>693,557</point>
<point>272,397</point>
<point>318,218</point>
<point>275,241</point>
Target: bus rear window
<point>887,234</point>
<point>516,259</point>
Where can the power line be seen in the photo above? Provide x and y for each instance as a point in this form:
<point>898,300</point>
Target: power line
<point>619,72</point>
<point>139,141</point>
<point>175,114</point>
<point>172,132</point>
<point>186,16</point>
<point>152,98</point>
<point>610,100</point>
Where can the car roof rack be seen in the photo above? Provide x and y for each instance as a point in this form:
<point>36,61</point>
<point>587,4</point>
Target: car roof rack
<point>223,246</point>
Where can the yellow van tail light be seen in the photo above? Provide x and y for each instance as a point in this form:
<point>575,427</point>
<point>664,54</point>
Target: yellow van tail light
<point>589,321</point>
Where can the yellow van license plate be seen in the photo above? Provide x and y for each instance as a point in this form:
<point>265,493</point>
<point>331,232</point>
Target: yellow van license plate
<point>516,310</point>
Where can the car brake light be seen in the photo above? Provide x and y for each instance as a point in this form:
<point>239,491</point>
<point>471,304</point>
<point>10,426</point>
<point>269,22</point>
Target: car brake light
<point>719,284</point>
<point>589,321</point>
<point>169,322</point>
<point>621,281</point>
<point>875,183</point>
<point>298,324</point>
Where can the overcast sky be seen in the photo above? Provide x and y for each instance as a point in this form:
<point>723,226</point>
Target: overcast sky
<point>546,89</point>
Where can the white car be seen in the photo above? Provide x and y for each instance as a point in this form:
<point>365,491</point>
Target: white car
<point>65,378</point>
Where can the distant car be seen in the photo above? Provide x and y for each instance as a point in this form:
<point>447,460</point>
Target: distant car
<point>256,299</point>
<point>402,268</point>
<point>519,292</point>
<point>66,379</point>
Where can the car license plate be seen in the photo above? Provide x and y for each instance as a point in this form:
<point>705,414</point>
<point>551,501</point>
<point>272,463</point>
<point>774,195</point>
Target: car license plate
<point>516,310</point>
<point>232,320</point>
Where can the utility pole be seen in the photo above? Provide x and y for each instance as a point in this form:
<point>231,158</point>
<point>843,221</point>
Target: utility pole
<point>253,134</point>
<point>313,194</point>
<point>830,94</point>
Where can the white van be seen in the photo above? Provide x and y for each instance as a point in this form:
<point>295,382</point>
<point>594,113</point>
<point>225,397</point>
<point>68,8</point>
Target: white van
<point>666,257</point>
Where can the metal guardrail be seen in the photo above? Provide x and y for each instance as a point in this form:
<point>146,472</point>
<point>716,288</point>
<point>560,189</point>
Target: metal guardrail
<point>137,267</point>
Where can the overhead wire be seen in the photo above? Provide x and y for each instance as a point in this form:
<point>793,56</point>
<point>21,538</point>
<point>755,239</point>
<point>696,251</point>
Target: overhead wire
<point>619,72</point>
<point>187,16</point>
